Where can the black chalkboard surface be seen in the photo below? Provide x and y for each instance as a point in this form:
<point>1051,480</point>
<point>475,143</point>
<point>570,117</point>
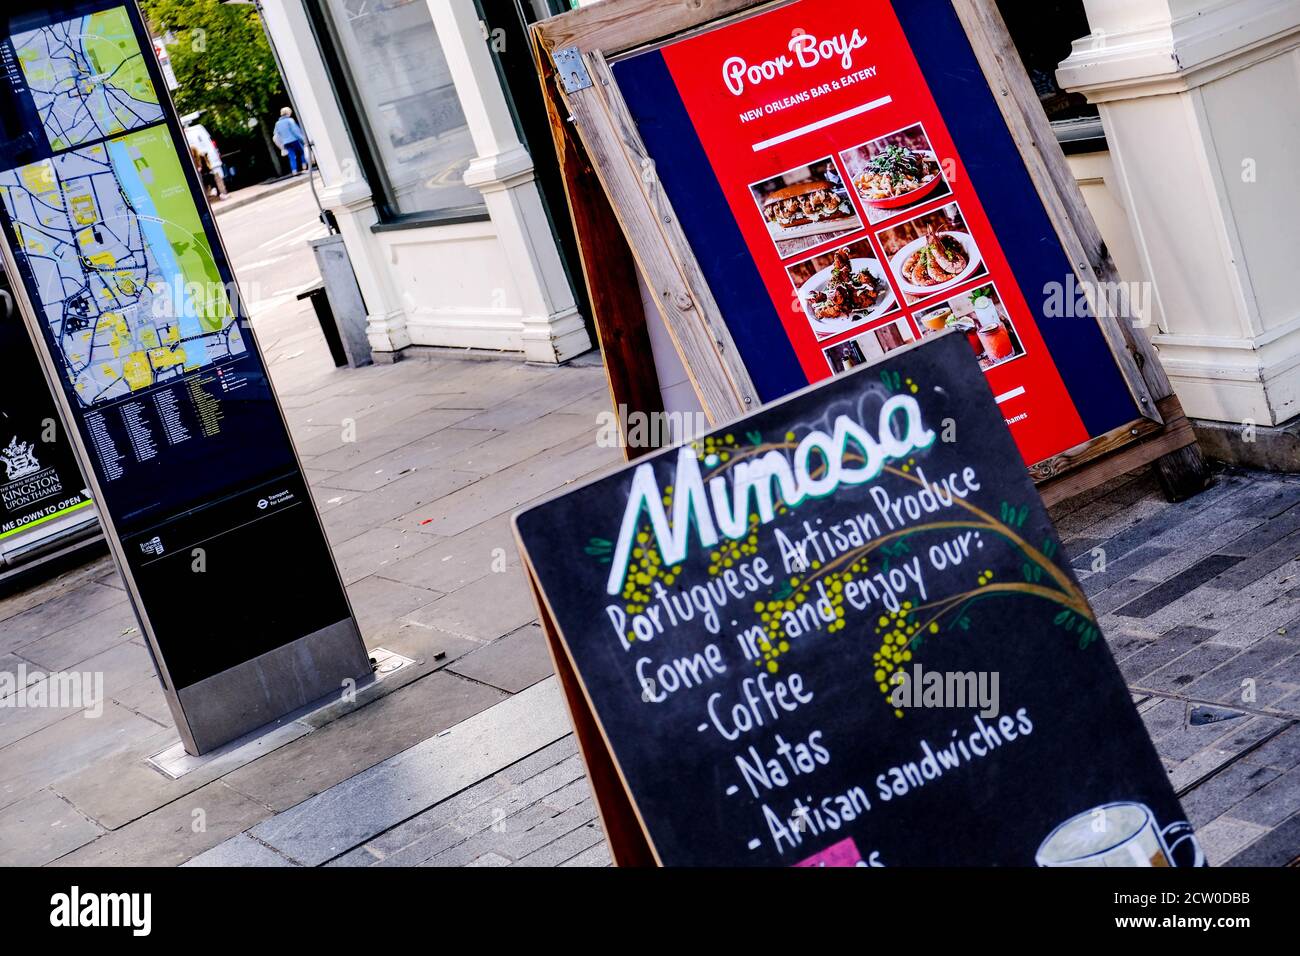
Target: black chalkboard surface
<point>841,631</point>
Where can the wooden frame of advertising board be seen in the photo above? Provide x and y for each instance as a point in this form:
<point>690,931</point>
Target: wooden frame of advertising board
<point>624,221</point>
<point>625,224</point>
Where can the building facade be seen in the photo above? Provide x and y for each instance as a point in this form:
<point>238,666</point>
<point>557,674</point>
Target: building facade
<point>429,174</point>
<point>1178,118</point>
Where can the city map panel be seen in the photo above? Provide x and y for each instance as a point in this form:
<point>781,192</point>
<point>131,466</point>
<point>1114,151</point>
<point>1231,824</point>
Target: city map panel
<point>88,78</point>
<point>125,275</point>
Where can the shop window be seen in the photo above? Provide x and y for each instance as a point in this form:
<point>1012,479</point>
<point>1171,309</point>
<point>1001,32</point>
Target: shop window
<point>1043,32</point>
<point>400,100</point>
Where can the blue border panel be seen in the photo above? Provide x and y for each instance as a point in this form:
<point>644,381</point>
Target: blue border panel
<point>709,224</point>
<point>1019,220</point>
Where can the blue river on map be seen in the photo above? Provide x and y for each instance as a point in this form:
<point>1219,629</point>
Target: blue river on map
<point>186,312</point>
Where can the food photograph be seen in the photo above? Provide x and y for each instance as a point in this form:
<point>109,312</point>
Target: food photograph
<point>805,207</point>
<point>843,289</point>
<point>932,253</point>
<point>983,317</point>
<point>868,347</point>
<point>895,173</point>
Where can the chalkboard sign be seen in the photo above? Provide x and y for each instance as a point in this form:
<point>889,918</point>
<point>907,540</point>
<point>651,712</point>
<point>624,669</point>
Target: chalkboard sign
<point>841,631</point>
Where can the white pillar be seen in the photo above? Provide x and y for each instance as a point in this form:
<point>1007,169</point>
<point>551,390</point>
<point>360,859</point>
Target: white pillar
<point>1200,100</point>
<point>345,191</point>
<point>553,329</point>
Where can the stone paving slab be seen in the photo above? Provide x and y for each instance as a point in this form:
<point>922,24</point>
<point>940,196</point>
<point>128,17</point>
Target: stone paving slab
<point>374,551</point>
<point>393,790</point>
<point>491,607</point>
<point>40,828</point>
<point>122,787</point>
<point>366,737</point>
<point>451,563</point>
<point>174,833</point>
<point>446,448</point>
<point>1276,847</point>
<point>484,819</point>
<point>1218,627</point>
<point>516,661</point>
<point>504,449</point>
<point>509,488</point>
<point>66,747</point>
<point>16,602</point>
<point>145,697</point>
<point>240,850</point>
<point>54,615</point>
<point>78,642</point>
<point>1224,837</point>
<point>387,505</point>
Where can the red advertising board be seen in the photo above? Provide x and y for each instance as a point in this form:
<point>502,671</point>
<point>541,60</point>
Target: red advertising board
<point>859,211</point>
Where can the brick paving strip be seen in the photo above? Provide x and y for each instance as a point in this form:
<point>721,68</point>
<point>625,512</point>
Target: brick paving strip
<point>464,758</point>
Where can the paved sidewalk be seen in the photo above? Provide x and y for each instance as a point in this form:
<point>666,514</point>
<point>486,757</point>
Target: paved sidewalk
<point>1201,605</point>
<point>465,757</point>
<point>416,508</point>
<point>238,198</point>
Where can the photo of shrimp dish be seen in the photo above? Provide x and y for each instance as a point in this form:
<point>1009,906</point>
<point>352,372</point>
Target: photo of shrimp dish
<point>939,259</point>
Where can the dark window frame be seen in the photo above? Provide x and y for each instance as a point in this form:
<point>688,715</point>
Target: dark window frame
<point>346,94</point>
<point>1081,133</point>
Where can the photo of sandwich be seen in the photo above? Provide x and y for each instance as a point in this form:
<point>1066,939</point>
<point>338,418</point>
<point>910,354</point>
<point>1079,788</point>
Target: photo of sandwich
<point>805,204</point>
<point>805,207</point>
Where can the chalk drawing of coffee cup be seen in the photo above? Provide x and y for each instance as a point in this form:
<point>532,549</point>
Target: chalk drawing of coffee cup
<point>1119,834</point>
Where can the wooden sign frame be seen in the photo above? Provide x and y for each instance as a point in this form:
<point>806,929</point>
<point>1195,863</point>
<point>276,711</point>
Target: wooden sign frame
<point>625,220</point>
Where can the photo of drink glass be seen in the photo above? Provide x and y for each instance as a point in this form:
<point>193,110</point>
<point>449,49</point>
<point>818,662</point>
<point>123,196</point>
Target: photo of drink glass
<point>993,334</point>
<point>1116,834</point>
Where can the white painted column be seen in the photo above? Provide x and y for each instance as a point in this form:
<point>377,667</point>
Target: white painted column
<point>553,330</point>
<point>1200,100</point>
<point>345,191</point>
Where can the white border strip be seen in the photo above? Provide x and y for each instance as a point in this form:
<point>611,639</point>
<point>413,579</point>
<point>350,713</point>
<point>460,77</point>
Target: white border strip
<point>823,123</point>
<point>1007,396</point>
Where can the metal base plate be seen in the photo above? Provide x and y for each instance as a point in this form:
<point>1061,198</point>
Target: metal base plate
<point>175,762</point>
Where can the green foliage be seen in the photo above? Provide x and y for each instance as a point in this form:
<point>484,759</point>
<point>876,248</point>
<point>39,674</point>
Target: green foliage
<point>222,61</point>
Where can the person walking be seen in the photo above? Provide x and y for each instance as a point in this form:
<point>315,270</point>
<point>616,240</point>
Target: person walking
<point>289,137</point>
<point>205,172</point>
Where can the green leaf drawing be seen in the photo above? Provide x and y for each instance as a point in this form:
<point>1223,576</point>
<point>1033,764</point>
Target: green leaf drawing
<point>600,548</point>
